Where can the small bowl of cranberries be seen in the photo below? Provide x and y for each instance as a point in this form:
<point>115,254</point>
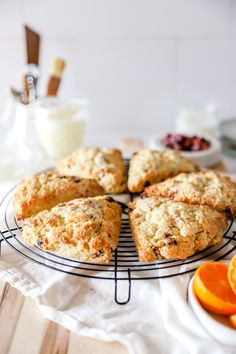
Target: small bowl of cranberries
<point>183,142</point>
<point>203,150</point>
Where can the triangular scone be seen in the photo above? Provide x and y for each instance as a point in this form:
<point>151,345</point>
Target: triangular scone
<point>45,190</point>
<point>85,229</point>
<point>148,167</point>
<point>205,188</point>
<point>164,228</point>
<point>103,164</point>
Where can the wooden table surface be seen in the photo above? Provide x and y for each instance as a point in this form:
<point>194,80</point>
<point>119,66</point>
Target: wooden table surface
<point>24,330</point>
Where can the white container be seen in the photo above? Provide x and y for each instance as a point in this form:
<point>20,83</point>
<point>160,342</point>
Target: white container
<point>20,153</point>
<point>24,131</point>
<point>203,158</point>
<point>196,122</point>
<point>7,162</point>
<point>60,125</point>
<point>218,326</point>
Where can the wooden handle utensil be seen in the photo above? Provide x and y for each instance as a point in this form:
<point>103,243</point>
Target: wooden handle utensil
<point>57,68</point>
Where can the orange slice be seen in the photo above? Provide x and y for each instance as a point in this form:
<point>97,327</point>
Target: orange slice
<point>233,320</point>
<point>213,290</point>
<point>232,274</point>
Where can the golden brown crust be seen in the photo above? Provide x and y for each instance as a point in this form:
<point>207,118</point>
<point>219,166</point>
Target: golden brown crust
<point>203,188</point>
<point>164,228</point>
<point>45,190</point>
<point>103,164</point>
<point>86,229</point>
<point>149,166</point>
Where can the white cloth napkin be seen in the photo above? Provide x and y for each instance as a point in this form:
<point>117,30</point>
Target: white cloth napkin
<point>157,319</point>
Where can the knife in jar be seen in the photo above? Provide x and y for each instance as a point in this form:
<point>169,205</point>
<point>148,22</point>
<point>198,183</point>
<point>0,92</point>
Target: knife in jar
<point>31,70</point>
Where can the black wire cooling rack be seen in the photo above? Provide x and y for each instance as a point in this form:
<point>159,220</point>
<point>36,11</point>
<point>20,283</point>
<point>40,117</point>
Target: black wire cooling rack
<point>123,269</point>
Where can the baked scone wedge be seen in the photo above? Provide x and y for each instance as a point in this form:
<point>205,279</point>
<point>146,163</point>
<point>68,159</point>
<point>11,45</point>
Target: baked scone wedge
<point>103,164</point>
<point>164,228</point>
<point>45,190</point>
<point>148,167</point>
<point>85,229</point>
<point>204,188</point>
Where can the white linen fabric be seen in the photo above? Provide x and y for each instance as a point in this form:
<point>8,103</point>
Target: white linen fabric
<point>157,319</point>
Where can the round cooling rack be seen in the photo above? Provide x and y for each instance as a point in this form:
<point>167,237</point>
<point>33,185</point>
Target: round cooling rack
<point>123,269</point>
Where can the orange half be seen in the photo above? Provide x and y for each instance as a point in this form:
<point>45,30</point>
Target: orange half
<point>211,285</point>
<point>233,320</point>
<point>232,274</point>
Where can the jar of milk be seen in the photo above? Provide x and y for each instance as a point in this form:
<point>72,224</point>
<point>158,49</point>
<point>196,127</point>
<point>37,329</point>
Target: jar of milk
<point>60,124</point>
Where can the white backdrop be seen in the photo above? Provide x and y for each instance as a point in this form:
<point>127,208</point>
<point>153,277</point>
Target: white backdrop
<point>136,61</point>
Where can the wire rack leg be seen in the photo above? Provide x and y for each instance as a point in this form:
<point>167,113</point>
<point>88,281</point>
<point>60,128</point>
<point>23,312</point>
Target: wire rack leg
<point>129,291</point>
<point>124,302</point>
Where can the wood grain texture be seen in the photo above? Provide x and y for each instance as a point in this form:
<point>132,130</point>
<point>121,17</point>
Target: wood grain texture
<point>29,331</point>
<point>56,339</point>
<point>11,303</point>
<point>23,327</point>
<point>86,345</point>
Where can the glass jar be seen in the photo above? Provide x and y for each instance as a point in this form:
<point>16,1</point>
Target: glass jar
<point>60,124</point>
<point>191,121</point>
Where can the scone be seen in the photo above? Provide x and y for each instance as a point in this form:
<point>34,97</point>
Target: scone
<point>148,167</point>
<point>45,190</point>
<point>85,229</point>
<point>164,228</point>
<point>103,164</point>
<point>205,188</point>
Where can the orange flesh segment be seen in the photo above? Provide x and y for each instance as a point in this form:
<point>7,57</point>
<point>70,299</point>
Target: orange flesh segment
<point>212,288</point>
